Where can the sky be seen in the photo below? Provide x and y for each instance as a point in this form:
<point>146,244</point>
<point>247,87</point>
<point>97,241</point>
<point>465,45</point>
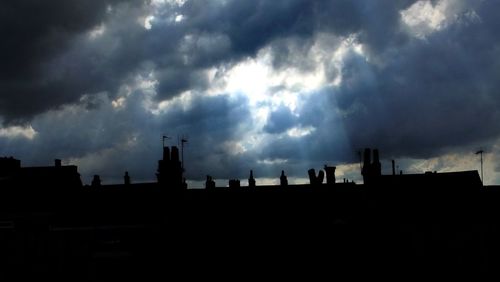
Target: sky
<point>263,85</point>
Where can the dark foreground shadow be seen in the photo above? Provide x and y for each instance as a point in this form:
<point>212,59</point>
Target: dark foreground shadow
<point>300,232</point>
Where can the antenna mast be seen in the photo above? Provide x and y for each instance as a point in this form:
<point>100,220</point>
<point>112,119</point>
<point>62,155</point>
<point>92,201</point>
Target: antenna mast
<point>183,140</point>
<point>360,159</point>
<point>163,139</point>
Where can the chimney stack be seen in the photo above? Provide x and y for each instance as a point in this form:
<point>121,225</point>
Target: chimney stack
<point>375,156</point>
<point>367,158</point>
<point>251,180</point>
<point>366,171</point>
<point>283,179</point>
<point>166,153</point>
<point>377,167</point>
<point>330,174</point>
<point>57,163</point>
<point>312,176</point>
<point>210,183</point>
<point>96,181</point>
<point>126,178</point>
<point>175,154</point>
<point>393,168</point>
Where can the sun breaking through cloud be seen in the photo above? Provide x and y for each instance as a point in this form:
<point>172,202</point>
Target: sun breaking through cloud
<point>262,85</point>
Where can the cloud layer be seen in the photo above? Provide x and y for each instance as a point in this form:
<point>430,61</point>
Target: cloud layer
<point>263,85</point>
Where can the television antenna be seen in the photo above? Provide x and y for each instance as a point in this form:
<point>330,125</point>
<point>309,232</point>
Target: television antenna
<point>183,141</point>
<point>163,139</point>
<point>480,152</point>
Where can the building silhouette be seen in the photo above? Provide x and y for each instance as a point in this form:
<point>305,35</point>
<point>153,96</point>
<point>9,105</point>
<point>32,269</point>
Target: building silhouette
<point>12,174</point>
<point>9,167</point>
<point>372,176</point>
<point>234,183</point>
<point>170,171</point>
<point>170,175</point>
<point>371,170</point>
<point>420,222</point>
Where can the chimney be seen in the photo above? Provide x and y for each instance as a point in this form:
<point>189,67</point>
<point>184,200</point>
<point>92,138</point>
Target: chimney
<point>166,153</point>
<point>375,156</point>
<point>251,180</point>
<point>393,168</point>
<point>175,154</point>
<point>330,174</point>
<point>210,183</point>
<point>126,178</point>
<point>321,177</point>
<point>367,170</point>
<point>96,181</point>
<point>377,167</point>
<point>283,179</point>
<point>367,158</point>
<point>312,176</point>
<point>57,163</point>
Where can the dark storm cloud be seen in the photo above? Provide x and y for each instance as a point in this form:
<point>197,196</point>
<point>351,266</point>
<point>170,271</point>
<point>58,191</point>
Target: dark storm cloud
<point>433,96</point>
<point>250,24</point>
<point>409,96</point>
<point>48,61</point>
<point>34,30</point>
<point>32,33</point>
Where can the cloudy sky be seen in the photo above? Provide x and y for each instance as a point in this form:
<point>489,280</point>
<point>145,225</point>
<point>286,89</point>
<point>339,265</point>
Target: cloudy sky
<point>263,85</point>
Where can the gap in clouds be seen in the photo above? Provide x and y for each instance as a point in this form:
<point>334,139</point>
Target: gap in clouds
<point>251,84</point>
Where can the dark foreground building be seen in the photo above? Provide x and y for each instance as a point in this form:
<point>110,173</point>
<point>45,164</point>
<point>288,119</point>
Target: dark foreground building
<point>12,175</point>
<point>394,225</point>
